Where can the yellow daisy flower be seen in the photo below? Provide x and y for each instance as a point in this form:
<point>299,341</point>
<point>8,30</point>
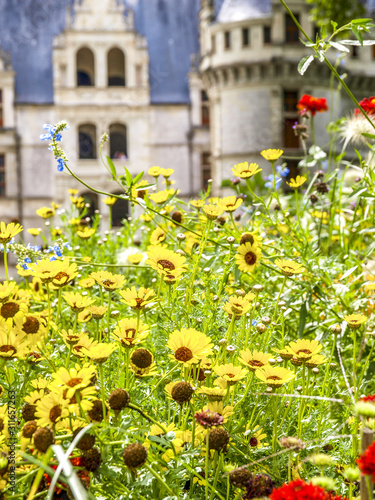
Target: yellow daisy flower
<point>197,203</point>
<point>251,237</point>
<point>86,232</point>
<point>231,203</point>
<point>212,393</point>
<point>51,409</point>
<point>33,325</point>
<point>40,383</point>
<point>99,353</point>
<point>108,281</point>
<point>297,182</point>
<point>355,320</point>
<point>164,260</point>
<point>166,172</point>
<point>84,342</point>
<point>304,349</point>
<point>161,196</point>
<point>97,311</point>
<point>86,282</point>
<point>247,257</point>
<point>67,382</point>
<point>73,191</point>
<point>157,236</point>
<point>56,231</point>
<point>154,172</point>
<point>230,373</point>
<point>212,212</point>
<point>45,212</point>
<point>274,376</point>
<point>46,270</point>
<point>135,258</point>
<point>78,302</point>
<point>254,360</point>
<point>189,346</point>
<point>7,290</point>
<point>138,190</point>
<point>289,267</point>
<point>126,332</point>
<point>11,311</point>
<point>245,170</point>
<point>316,360</point>
<point>66,275</point>
<point>237,305</point>
<point>9,231</point>
<point>256,437</point>
<point>12,345</point>
<point>110,200</point>
<point>34,231</point>
<point>271,154</point>
<point>137,299</point>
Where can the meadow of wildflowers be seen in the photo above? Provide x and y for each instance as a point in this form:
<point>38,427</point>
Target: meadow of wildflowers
<point>213,348</point>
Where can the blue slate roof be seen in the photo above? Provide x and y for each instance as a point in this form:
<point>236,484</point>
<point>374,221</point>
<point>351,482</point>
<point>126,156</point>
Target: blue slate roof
<point>27,28</point>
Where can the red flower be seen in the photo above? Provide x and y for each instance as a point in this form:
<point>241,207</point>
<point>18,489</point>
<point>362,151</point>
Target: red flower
<point>311,104</point>
<point>368,104</point>
<point>366,462</point>
<point>368,399</point>
<point>299,490</point>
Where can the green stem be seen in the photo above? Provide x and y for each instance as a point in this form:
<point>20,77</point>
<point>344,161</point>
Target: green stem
<point>102,389</point>
<point>6,262</point>
<point>161,481</point>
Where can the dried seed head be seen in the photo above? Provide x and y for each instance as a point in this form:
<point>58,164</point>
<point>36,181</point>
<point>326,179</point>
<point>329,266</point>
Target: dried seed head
<point>118,399</point>
<point>135,455</point>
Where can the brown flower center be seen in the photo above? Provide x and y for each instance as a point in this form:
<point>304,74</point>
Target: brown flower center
<point>166,264</point>
<point>130,332</point>
<point>305,351</point>
<point>55,413</point>
<point>108,283</point>
<point>253,442</point>
<point>273,377</point>
<point>61,277</point>
<point>31,325</point>
<point>7,348</point>
<point>230,375</point>
<point>183,354</point>
<point>250,258</point>
<point>9,310</point>
<point>255,362</point>
<point>74,381</point>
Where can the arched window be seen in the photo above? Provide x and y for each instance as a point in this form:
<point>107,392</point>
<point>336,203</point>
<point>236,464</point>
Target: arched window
<point>85,68</point>
<point>116,68</point>
<point>120,210</point>
<point>118,141</point>
<point>91,199</point>
<point>87,141</point>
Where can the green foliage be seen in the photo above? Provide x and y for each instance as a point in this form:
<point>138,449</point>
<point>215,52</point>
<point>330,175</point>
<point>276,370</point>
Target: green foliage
<point>341,11</point>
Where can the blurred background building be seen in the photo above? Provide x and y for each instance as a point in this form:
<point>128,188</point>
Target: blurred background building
<point>193,85</point>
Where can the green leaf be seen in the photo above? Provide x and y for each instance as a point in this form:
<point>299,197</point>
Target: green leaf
<point>334,25</point>
<point>112,168</point>
<point>357,34</point>
<point>348,272</point>
<point>129,178</point>
<point>323,31</point>
<point>302,319</point>
<point>369,136</point>
<point>339,46</point>
<point>138,178</point>
<point>362,21</point>
<point>304,64</point>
